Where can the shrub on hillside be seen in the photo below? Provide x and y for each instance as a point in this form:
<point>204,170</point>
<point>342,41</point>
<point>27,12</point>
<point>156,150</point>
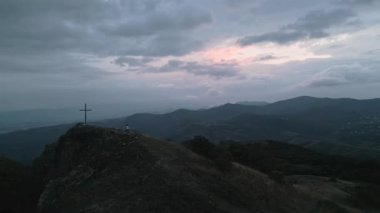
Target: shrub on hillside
<point>19,188</point>
<point>202,146</point>
<point>277,176</point>
<point>223,161</point>
<point>366,195</point>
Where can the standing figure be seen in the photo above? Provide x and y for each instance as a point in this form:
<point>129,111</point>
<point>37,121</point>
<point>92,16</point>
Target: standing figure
<point>126,128</point>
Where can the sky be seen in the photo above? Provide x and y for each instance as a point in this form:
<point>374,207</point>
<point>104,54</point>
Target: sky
<point>147,54</point>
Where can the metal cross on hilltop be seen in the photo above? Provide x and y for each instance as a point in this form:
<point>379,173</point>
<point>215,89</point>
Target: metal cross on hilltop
<point>85,110</point>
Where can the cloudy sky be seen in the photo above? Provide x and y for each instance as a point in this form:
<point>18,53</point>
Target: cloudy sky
<point>56,54</point>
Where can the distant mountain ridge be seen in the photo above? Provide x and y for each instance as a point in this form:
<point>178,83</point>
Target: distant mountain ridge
<point>23,146</point>
<point>346,121</point>
<point>310,107</point>
<point>347,126</point>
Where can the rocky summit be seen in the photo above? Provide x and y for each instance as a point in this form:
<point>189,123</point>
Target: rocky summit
<point>92,169</point>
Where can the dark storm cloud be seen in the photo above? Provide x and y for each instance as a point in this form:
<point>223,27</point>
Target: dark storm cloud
<point>59,66</point>
<point>133,62</point>
<point>320,20</point>
<point>266,58</point>
<point>149,24</point>
<point>325,83</point>
<point>355,2</point>
<point>373,52</point>
<point>195,68</point>
<point>218,71</point>
<point>176,44</point>
<point>356,73</point>
<point>100,27</point>
<point>313,25</point>
<point>60,50</point>
<point>276,37</point>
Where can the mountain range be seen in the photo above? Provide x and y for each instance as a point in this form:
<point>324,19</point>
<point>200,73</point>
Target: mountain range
<point>343,126</point>
<point>351,127</point>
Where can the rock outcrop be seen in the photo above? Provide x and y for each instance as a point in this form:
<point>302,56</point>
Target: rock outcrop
<point>92,169</point>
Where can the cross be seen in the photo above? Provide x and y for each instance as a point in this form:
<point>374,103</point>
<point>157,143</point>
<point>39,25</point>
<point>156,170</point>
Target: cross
<point>85,110</point>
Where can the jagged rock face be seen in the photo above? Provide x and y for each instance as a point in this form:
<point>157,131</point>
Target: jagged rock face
<point>97,170</point>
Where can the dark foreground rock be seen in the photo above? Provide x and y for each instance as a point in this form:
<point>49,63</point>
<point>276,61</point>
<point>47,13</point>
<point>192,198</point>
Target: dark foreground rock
<point>100,170</point>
